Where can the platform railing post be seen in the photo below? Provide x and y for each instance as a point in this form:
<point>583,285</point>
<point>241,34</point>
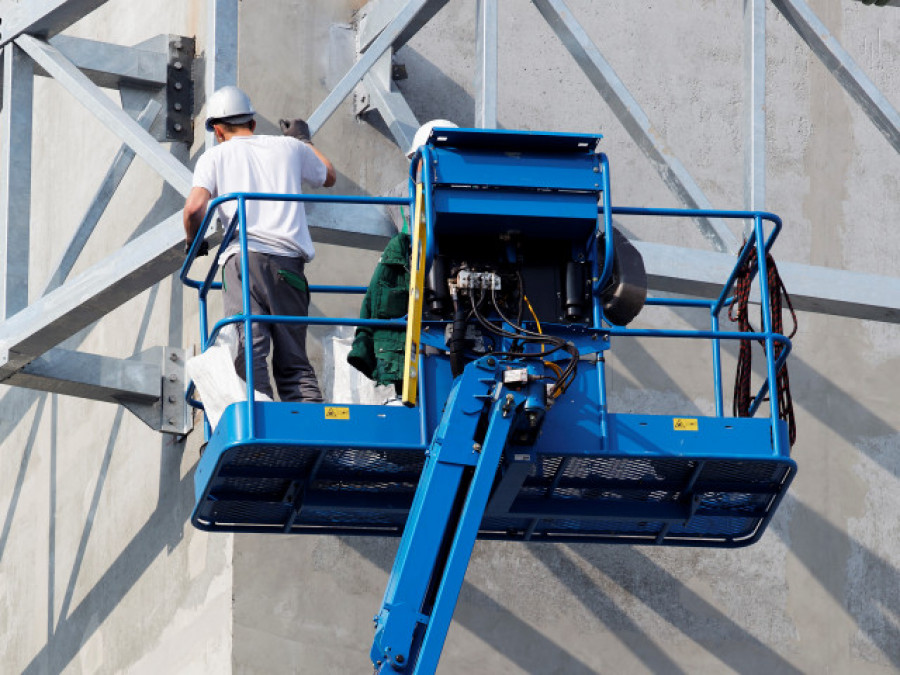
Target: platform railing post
<point>767,327</point>
<point>248,323</point>
<point>717,364</point>
<point>600,277</point>
<point>428,177</point>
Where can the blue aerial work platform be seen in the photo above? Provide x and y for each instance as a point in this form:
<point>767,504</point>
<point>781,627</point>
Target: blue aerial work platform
<point>507,432</point>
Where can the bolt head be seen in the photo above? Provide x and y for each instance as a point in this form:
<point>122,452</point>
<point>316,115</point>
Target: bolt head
<point>178,65</point>
<point>179,86</point>
<point>178,126</point>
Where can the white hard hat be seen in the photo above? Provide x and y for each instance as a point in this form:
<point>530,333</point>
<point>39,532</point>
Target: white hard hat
<point>228,104</point>
<point>424,132</point>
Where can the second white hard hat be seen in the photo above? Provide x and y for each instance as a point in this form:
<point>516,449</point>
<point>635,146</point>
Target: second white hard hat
<point>424,132</point>
<point>228,104</point>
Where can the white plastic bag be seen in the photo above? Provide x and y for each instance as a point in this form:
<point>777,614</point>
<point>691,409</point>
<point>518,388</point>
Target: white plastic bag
<point>342,383</point>
<point>215,378</point>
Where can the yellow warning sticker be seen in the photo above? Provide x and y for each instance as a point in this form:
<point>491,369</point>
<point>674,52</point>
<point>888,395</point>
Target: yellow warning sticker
<point>337,413</point>
<point>684,423</point>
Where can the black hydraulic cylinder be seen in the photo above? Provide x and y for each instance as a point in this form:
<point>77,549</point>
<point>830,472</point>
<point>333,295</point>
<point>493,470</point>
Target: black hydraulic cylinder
<point>437,294</point>
<point>575,290</point>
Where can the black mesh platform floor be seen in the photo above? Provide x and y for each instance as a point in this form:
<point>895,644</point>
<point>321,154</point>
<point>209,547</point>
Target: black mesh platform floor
<point>657,488</point>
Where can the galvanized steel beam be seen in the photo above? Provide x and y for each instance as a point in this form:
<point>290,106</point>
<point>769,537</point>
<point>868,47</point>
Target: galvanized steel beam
<point>108,65</point>
<point>115,119</point>
<point>633,118</point>
<point>221,49</point>
<point>151,385</point>
<point>839,63</point>
<point>44,18</point>
<point>486,65</point>
<point>380,13</point>
<point>107,189</point>
<point>100,378</point>
<point>361,226</point>
<point>405,19</point>
<point>754,108</point>
<point>15,173</point>
<point>89,296</point>
<point>393,108</point>
<point>823,290</point>
<point>374,17</point>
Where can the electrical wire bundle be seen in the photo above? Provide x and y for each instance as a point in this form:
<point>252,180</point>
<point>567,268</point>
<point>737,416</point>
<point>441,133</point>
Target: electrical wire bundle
<point>740,313</point>
<point>522,336</point>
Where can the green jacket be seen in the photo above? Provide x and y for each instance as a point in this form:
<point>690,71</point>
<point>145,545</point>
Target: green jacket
<point>378,352</point>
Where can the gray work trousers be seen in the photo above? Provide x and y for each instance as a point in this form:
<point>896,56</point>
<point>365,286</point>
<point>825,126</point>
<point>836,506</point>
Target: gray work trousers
<point>270,293</point>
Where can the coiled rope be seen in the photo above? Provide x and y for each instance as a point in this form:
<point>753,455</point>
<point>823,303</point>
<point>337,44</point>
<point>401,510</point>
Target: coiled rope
<point>739,312</point>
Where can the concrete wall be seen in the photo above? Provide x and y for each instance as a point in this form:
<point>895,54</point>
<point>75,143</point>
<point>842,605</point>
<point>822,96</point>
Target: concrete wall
<point>101,572</point>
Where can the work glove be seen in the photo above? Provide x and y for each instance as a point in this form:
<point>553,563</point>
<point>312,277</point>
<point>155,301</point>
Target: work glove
<point>202,250</point>
<point>296,128</point>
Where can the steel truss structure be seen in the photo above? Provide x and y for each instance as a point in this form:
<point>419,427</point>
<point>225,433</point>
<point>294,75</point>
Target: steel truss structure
<point>154,78</point>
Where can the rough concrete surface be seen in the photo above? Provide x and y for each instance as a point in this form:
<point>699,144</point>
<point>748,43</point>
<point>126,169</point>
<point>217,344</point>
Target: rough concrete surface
<point>100,570</point>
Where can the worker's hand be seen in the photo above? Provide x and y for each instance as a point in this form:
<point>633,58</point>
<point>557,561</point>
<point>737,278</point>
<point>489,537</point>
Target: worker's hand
<point>202,250</point>
<point>296,128</point>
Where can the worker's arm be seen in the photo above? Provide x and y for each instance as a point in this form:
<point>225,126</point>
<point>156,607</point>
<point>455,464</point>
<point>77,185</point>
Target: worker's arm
<point>330,175</point>
<point>299,129</point>
<point>194,211</point>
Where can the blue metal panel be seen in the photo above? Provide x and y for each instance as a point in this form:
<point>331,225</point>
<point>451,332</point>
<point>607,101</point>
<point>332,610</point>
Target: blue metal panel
<point>662,436</point>
<point>517,170</point>
<point>559,216</point>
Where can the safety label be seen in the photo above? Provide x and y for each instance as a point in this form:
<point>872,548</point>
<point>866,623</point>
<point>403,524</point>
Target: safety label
<point>684,423</point>
<point>332,413</point>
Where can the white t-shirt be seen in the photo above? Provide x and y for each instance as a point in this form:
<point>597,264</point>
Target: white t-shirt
<point>273,164</point>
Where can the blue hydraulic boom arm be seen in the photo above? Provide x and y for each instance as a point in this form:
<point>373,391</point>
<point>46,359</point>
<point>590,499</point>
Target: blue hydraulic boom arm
<point>480,418</point>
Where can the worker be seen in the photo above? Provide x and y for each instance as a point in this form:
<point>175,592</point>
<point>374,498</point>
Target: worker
<point>378,353</point>
<point>398,214</point>
<point>277,233</point>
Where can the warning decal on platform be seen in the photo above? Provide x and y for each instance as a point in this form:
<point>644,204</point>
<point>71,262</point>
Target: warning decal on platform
<point>684,423</point>
<point>337,413</point>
